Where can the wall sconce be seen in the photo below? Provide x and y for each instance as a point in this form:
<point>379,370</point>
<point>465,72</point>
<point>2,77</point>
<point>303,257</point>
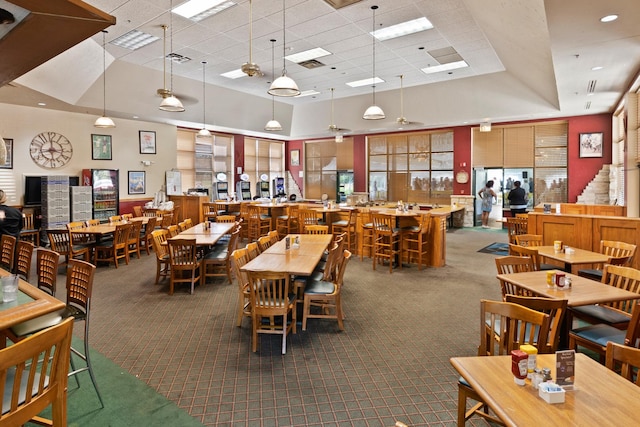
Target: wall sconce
<point>485,127</point>
<point>146,162</point>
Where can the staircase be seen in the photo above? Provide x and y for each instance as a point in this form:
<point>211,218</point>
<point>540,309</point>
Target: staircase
<point>597,191</point>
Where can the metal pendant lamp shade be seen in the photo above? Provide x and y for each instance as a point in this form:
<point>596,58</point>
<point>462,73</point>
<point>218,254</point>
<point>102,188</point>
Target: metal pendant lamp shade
<point>284,85</point>
<point>374,112</point>
<point>169,101</point>
<point>273,125</point>
<point>204,131</point>
<point>103,121</point>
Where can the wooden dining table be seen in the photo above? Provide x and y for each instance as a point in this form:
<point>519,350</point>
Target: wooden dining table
<point>583,291</point>
<point>600,396</point>
<point>296,261</point>
<point>573,260</point>
<point>206,237</point>
<point>31,303</point>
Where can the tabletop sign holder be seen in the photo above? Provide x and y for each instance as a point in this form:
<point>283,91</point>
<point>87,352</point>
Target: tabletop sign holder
<point>565,368</point>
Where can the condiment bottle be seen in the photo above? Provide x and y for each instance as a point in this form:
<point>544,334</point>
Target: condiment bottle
<point>537,378</point>
<point>519,360</point>
<point>532,353</point>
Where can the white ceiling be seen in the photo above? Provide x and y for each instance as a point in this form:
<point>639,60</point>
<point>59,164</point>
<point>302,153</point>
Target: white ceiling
<point>528,59</point>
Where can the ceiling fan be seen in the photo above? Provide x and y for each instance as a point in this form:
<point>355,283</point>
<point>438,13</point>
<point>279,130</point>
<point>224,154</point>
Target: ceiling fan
<point>402,121</point>
<point>332,127</point>
<point>250,68</point>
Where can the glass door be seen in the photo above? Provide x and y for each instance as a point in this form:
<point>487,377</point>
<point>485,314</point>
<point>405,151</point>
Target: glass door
<point>480,178</point>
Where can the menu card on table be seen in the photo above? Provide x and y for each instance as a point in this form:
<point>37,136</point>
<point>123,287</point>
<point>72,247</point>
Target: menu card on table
<point>565,368</point>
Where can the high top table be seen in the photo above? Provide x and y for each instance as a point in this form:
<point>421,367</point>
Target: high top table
<point>601,397</point>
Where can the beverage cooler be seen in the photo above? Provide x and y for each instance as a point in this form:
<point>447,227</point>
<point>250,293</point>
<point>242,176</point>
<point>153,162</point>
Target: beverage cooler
<point>105,191</point>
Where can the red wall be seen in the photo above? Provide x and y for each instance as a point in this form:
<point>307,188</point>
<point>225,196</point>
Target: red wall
<point>238,158</point>
<point>360,164</point>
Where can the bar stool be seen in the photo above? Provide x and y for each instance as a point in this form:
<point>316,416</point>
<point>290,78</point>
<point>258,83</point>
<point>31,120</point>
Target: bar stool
<point>367,234</point>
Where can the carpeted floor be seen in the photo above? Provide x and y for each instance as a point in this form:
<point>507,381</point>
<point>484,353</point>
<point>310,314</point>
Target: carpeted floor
<point>391,362</point>
<point>496,248</point>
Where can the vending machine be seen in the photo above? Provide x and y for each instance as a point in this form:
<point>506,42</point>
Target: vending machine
<point>262,189</point>
<point>243,190</point>
<point>221,190</point>
<point>278,187</point>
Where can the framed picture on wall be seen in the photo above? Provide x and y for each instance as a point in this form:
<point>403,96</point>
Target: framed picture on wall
<point>8,163</point>
<point>137,182</point>
<point>101,147</point>
<point>591,144</point>
<point>147,141</point>
<point>295,157</point>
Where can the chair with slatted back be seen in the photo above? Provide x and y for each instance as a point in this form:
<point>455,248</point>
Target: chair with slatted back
<point>347,225</point>
<point>167,220</point>
<point>127,217</point>
<point>173,230</point>
<point>367,234</point>
<point>595,337</point>
<point>7,251</point>
<point>137,211</point>
<point>532,253</point>
<point>307,217</point>
<point>387,240</point>
<point>513,264</point>
<point>516,226</point>
<point>239,258</point>
<point>555,308</point>
<point>91,222</point>
<point>529,240</point>
<point>253,250</point>
<point>59,241</point>
<point>271,298</point>
<point>188,222</point>
<point>288,223</point>
<point>415,240</point>
<point>115,218</point>
<point>624,360</point>
<point>226,218</point>
<point>133,240</point>
<point>619,253</point>
<point>29,232</point>
<point>47,270</point>
<point>185,264</point>
<point>264,243</point>
<point>316,229</point>
<point>209,211</point>
<point>217,262</point>
<point>38,363</point>
<point>24,254</point>
<point>182,226</point>
<point>516,325</point>
<point>81,240</point>
<point>145,235</point>
<point>161,248</point>
<point>116,249</point>
<point>618,313</point>
<point>259,224</point>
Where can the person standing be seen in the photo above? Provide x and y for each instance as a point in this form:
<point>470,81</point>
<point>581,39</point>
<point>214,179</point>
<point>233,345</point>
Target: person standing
<point>11,221</point>
<point>487,195</point>
<point>517,199</point>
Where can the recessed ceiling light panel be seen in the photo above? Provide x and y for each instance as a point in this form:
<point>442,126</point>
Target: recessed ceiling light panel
<point>307,93</point>
<point>445,67</point>
<point>365,82</point>
<point>197,10</point>
<point>402,29</point>
<point>235,74</point>
<point>134,40</point>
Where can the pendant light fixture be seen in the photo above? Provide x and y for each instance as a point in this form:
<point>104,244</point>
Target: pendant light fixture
<point>169,101</point>
<point>204,131</point>
<point>374,112</point>
<point>104,121</point>
<point>249,68</point>
<point>273,125</point>
<point>284,85</point>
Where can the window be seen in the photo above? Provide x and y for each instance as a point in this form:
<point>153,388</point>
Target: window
<point>263,157</point>
<point>200,159</point>
<point>323,160</point>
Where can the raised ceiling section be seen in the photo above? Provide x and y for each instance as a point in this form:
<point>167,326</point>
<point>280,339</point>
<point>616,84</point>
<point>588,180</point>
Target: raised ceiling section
<point>47,29</point>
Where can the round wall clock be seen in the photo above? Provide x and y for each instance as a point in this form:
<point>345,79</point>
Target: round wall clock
<point>50,150</point>
<point>462,177</point>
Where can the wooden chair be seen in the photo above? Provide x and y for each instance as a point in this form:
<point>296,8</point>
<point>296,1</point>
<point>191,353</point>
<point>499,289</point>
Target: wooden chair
<point>326,296</point>
<point>91,222</point>
<point>114,250</point>
<point>270,298</point>
<point>259,224</point>
<point>7,252</point>
<point>516,226</point>
<point>347,225</point>
<point>167,220</point>
<point>244,215</point>
<point>137,211</point>
<point>182,226</point>
<point>531,252</point>
<point>620,253</point>
<point>555,308</point>
<point>145,236</point>
<point>513,264</point>
<point>306,217</point>
<point>78,239</point>
<point>415,240</point>
<point>596,337</point>
<point>127,217</point>
<point>29,232</point>
<point>209,211</point>
<point>387,240</point>
<point>517,325</point>
<point>133,239</point>
<point>239,258</point>
<point>24,254</point>
<point>188,222</point>
<point>274,237</point>
<point>264,243</point>
<point>627,358</point>
<point>38,363</point>
<point>529,240</point>
<point>253,250</point>
<point>226,218</point>
<point>115,218</point>
<point>185,265</point>
<point>288,223</point>
<point>367,234</point>
<point>217,262</point>
<point>618,313</point>
<point>60,243</point>
<point>316,229</point>
<point>47,270</point>
<point>161,248</point>
<point>173,230</point>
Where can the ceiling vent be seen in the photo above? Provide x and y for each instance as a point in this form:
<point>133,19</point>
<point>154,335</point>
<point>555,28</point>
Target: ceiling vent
<point>178,59</point>
<point>337,4</point>
<point>311,64</point>
<point>446,55</point>
<point>587,105</point>
<point>591,86</point>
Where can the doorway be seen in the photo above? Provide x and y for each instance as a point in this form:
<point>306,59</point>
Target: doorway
<point>480,178</point>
